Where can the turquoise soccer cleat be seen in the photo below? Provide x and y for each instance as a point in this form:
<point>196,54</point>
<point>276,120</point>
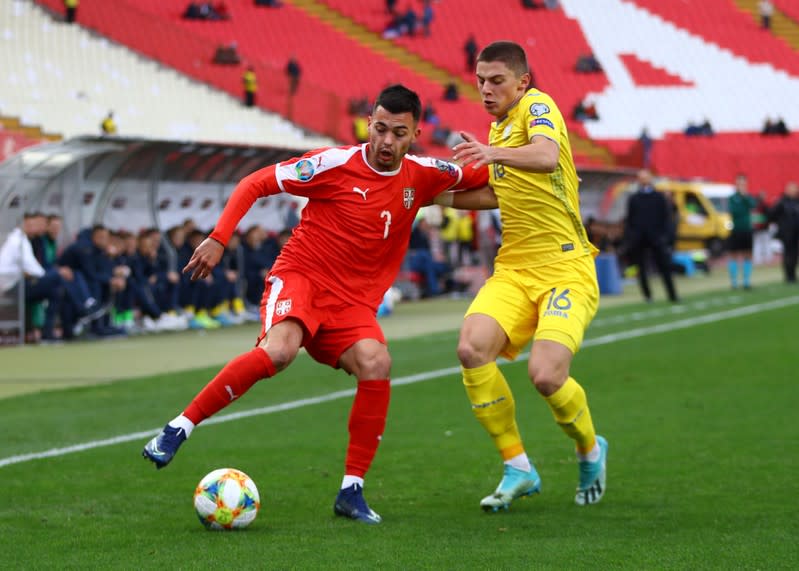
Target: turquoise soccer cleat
<point>592,477</point>
<point>515,484</point>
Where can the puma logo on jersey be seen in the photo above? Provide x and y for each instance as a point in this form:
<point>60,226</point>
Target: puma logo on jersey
<point>359,191</point>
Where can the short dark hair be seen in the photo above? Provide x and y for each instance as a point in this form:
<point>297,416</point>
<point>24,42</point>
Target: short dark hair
<point>509,53</point>
<point>399,99</point>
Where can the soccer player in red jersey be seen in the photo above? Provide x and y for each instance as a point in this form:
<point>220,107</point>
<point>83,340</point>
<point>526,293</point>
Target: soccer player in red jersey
<point>325,287</point>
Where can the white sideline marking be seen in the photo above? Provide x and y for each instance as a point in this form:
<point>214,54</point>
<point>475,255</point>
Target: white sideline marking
<point>410,379</point>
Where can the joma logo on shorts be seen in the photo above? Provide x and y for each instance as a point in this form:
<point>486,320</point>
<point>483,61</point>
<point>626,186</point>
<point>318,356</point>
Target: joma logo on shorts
<point>556,313</point>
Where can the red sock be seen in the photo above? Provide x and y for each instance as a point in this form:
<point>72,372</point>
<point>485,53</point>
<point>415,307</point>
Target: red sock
<point>230,383</point>
<point>367,421</point>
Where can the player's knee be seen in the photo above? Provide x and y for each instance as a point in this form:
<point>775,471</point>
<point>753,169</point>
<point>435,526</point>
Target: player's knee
<point>546,378</point>
<point>472,355</point>
<point>281,354</point>
<point>373,363</point>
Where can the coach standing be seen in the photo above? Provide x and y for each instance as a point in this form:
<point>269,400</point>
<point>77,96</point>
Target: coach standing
<point>648,229</point>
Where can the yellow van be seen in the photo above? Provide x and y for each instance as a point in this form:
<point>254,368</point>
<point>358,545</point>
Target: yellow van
<point>701,211</point>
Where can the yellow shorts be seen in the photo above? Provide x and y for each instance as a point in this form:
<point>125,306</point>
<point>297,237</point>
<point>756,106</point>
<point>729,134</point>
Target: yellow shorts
<point>554,302</point>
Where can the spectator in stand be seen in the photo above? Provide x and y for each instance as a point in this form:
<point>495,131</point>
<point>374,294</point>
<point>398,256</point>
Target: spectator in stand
<point>71,7</point>
<point>206,11</point>
<point>646,143</point>
<point>91,256</point>
<point>786,214</point>
<point>167,283</point>
<point>451,92</point>
<point>741,204</point>
<point>200,294</point>
<point>395,27</point>
<point>448,234</point>
<point>441,135</point>
<point>260,252</point>
<point>221,10</point>
<point>430,115</point>
<point>228,304</point>
<point>647,231</point>
<point>781,128</point>
<point>138,292</point>
<point>470,49</point>
<point>17,259</point>
<point>704,129</point>
<point>77,303</point>
<point>294,74</point>
<point>421,259</point>
<point>108,126</point>
<point>227,54</point>
<point>427,16</point>
<point>188,291</point>
<point>585,111</point>
<point>765,8</point>
<point>360,129</point>
<point>411,20</point>
<point>250,82</point>
<point>588,63</point>
<point>776,127</point>
<point>761,238</point>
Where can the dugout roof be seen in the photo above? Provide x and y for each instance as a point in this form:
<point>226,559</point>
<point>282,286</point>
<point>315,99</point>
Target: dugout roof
<point>134,183</point>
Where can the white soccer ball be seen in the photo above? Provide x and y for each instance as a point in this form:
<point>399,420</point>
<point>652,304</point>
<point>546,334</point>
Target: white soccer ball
<point>226,499</point>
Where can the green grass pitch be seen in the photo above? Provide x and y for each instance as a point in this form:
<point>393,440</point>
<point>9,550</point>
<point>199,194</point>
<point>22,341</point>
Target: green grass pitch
<point>698,403</point>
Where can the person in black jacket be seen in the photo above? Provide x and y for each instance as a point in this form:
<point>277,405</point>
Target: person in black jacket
<point>786,214</point>
<point>648,230</point>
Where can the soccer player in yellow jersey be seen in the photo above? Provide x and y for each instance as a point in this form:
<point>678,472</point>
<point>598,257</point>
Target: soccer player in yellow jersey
<point>544,286</point>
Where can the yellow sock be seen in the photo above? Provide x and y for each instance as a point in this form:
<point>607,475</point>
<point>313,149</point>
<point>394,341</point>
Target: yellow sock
<point>238,305</point>
<point>221,308</point>
<point>494,407</point>
<point>569,406</point>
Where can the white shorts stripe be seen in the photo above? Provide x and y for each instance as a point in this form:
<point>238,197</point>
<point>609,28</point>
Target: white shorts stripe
<point>274,292</point>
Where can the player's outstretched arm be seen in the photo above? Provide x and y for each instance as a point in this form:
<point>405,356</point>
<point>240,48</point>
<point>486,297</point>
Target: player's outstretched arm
<point>478,199</point>
<point>540,155</point>
<point>204,259</point>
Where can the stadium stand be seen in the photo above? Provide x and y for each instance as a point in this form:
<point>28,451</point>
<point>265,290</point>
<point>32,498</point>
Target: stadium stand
<point>67,79</point>
<point>720,23</point>
<point>540,31</point>
<point>266,39</point>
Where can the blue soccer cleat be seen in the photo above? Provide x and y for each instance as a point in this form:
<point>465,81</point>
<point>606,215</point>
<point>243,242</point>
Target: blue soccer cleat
<point>161,449</point>
<point>515,484</point>
<point>592,477</point>
<point>350,503</point>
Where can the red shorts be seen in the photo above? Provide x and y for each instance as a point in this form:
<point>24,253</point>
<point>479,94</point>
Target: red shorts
<point>331,324</point>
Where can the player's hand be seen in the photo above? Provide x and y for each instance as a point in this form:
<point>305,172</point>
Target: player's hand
<point>204,259</point>
<point>473,152</point>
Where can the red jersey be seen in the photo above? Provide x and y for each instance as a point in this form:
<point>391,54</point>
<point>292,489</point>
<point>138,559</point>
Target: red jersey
<point>354,230</point>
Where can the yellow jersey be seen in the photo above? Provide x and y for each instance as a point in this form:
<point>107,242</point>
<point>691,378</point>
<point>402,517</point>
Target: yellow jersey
<point>250,82</point>
<point>539,212</point>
